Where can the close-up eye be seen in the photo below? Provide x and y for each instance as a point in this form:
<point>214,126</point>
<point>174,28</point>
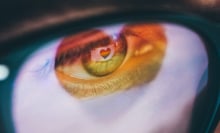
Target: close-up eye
<point>100,62</point>
<point>137,77</point>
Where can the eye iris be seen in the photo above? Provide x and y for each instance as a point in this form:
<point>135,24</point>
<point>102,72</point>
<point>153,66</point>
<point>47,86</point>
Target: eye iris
<point>103,60</point>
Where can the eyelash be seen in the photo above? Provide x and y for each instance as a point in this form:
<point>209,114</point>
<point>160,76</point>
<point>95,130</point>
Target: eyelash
<point>45,69</point>
<point>71,55</point>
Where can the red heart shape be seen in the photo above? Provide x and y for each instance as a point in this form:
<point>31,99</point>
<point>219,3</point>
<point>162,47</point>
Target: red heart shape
<point>105,52</point>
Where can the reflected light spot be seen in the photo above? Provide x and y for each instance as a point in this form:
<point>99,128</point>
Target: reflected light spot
<point>4,72</point>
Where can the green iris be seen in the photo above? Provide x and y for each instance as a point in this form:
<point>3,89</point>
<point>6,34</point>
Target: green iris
<point>101,68</point>
<point>104,60</point>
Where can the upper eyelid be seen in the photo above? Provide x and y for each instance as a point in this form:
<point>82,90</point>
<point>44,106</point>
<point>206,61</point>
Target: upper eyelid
<point>82,40</point>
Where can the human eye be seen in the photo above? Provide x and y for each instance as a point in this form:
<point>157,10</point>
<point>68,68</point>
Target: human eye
<point>111,59</point>
<point>106,77</point>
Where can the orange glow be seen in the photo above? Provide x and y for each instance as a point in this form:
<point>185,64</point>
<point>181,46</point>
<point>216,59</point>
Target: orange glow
<point>146,45</point>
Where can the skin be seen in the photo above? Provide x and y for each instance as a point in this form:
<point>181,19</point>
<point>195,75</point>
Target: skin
<point>24,17</point>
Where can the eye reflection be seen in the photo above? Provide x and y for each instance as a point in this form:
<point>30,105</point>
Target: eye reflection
<point>128,57</point>
<point>162,102</point>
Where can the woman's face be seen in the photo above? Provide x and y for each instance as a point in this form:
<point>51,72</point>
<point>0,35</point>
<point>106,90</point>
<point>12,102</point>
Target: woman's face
<point>50,95</point>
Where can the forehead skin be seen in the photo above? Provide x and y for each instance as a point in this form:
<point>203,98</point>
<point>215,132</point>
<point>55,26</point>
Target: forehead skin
<point>25,16</point>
